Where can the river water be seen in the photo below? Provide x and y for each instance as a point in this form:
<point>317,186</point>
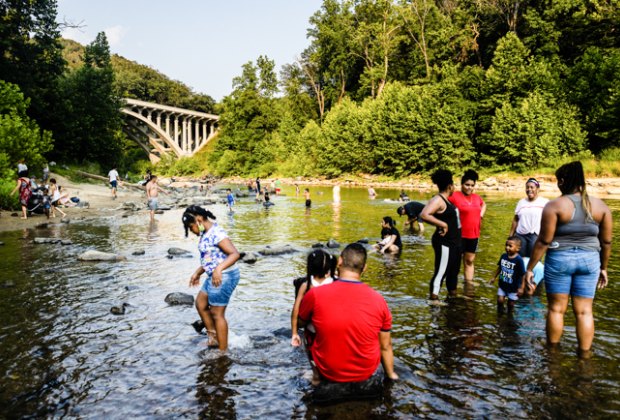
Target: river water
<point>63,354</point>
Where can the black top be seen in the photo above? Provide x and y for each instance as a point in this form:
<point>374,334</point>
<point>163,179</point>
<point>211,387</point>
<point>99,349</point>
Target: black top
<point>511,271</point>
<point>392,231</point>
<point>451,217</point>
<point>413,209</point>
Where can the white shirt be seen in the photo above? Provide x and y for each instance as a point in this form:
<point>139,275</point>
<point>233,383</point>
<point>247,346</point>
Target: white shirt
<point>530,214</point>
<point>21,167</point>
<point>113,175</point>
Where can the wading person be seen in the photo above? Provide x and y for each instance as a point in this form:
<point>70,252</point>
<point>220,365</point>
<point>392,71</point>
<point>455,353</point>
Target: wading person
<point>576,232</point>
<point>526,223</point>
<point>390,237</point>
<point>471,211</point>
<point>152,191</point>
<point>113,177</point>
<point>352,323</point>
<point>217,260</point>
<point>412,209</point>
<point>446,240</point>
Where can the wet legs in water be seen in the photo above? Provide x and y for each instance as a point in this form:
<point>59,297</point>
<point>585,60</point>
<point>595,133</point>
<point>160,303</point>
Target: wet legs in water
<point>500,304</point>
<point>582,308</point>
<point>202,306</point>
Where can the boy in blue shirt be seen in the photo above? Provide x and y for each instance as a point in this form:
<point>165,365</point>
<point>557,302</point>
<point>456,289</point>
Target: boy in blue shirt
<point>511,272</point>
<point>230,199</point>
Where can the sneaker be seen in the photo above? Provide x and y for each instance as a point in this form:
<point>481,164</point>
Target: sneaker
<point>198,326</point>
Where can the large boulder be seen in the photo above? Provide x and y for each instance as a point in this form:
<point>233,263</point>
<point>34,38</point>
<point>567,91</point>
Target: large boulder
<point>178,298</point>
<point>93,255</point>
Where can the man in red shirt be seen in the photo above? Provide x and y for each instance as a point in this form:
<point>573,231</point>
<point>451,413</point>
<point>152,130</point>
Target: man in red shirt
<point>352,323</point>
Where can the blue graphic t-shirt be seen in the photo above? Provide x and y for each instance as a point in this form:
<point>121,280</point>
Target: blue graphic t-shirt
<point>511,271</point>
<point>210,253</point>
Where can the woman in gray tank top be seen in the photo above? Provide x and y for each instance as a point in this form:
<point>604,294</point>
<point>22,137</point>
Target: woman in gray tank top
<point>576,232</point>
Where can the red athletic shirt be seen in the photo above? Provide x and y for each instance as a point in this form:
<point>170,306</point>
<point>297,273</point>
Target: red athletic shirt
<point>348,317</point>
<point>469,212</point>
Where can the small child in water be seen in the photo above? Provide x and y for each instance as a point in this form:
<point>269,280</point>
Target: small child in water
<point>321,268</point>
<point>230,199</point>
<point>511,272</point>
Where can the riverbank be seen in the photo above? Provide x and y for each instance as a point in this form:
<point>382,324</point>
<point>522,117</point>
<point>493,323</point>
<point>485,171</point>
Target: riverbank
<point>100,203</point>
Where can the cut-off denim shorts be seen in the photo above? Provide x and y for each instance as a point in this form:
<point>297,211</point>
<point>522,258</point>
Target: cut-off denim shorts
<point>573,271</point>
<point>220,296</point>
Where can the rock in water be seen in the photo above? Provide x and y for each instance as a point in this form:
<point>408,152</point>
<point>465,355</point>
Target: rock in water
<point>249,258</point>
<point>178,251</point>
<point>277,250</point>
<point>333,244</point>
<point>93,255</point>
<point>119,309</point>
<point>139,252</point>
<point>39,240</point>
<point>178,298</point>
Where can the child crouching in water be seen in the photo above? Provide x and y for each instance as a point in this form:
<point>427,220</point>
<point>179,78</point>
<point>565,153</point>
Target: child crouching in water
<point>511,272</point>
<point>320,269</point>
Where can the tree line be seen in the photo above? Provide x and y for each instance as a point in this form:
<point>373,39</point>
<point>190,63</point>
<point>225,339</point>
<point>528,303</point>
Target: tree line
<point>399,87</point>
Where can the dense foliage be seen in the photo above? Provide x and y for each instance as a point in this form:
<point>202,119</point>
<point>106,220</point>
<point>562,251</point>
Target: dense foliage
<point>400,87</point>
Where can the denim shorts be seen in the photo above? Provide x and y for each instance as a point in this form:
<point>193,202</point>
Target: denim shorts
<point>572,272</point>
<point>220,296</point>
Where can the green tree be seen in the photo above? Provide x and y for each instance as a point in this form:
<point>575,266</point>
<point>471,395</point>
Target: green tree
<point>30,54</point>
<point>92,131</point>
<point>20,136</point>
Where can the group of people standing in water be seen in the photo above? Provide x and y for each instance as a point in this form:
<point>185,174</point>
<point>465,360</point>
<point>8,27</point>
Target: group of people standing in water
<point>573,230</point>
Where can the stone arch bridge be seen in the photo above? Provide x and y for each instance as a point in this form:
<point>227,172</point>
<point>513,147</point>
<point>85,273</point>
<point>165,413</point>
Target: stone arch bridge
<point>161,129</point>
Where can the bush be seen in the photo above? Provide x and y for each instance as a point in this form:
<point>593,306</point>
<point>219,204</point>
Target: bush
<point>8,201</point>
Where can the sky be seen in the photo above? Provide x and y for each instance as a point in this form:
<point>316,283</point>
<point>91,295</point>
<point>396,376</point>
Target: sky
<point>202,43</point>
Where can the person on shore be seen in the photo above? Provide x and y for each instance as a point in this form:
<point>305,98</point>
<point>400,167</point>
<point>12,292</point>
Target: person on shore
<point>412,209</point>
<point>471,211</point>
<point>25,191</point>
<point>113,177</point>
<point>307,197</point>
<point>152,191</point>
<point>511,273</point>
<point>352,322</point>
<point>319,272</point>
<point>54,192</point>
<point>218,256</point>
<point>526,222</point>
<point>446,240</point>
<point>22,168</point>
<point>390,237</point>
<point>575,233</point>
<point>230,199</point>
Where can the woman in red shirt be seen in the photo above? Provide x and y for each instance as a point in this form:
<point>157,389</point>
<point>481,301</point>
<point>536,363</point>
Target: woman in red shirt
<point>471,211</point>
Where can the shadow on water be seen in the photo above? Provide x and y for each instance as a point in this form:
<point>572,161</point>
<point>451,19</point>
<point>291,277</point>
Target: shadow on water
<point>62,353</point>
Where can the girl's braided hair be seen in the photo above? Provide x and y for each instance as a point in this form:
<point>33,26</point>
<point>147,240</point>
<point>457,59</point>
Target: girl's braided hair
<point>189,216</point>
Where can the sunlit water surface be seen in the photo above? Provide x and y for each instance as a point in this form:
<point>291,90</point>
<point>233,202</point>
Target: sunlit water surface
<point>62,353</point>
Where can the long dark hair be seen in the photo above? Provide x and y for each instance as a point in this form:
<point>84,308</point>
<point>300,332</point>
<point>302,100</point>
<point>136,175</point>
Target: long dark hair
<point>320,263</point>
<point>389,221</point>
<point>189,216</point>
<point>574,180</point>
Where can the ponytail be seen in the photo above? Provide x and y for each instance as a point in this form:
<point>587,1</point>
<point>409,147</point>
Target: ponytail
<point>189,216</point>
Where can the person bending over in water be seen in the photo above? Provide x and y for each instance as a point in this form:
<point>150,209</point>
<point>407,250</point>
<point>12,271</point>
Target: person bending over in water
<point>511,273</point>
<point>390,237</point>
<point>218,256</point>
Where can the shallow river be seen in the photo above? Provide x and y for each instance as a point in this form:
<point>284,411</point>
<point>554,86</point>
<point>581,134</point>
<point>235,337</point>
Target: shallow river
<point>62,353</point>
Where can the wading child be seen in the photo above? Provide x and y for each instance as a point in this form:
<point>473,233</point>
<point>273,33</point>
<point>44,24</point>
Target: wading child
<point>307,197</point>
<point>320,269</point>
<point>230,199</point>
<point>511,271</point>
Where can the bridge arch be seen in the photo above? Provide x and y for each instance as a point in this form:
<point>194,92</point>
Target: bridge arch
<point>161,129</point>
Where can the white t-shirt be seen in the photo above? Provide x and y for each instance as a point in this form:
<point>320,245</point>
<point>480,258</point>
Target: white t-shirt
<point>113,175</point>
<point>21,167</point>
<point>530,214</point>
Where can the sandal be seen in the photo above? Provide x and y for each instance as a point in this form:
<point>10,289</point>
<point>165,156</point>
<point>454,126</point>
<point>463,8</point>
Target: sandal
<point>212,341</point>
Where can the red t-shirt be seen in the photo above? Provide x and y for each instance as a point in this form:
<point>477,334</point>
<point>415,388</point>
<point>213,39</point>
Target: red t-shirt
<point>348,317</point>
<point>469,212</point>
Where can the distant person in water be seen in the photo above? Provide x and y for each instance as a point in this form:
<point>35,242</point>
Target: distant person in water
<point>403,196</point>
<point>307,197</point>
<point>511,273</point>
<point>152,191</point>
<point>446,240</point>
<point>372,194</point>
<point>113,177</point>
<point>352,322</point>
<point>390,237</point>
<point>230,199</point>
<point>218,256</point>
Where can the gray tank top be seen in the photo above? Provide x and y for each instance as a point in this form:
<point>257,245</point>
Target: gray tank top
<point>579,232</point>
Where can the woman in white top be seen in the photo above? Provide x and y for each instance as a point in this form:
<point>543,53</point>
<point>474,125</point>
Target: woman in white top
<point>526,223</point>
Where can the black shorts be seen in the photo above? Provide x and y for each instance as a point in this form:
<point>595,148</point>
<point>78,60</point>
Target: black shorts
<point>308,203</point>
<point>469,245</point>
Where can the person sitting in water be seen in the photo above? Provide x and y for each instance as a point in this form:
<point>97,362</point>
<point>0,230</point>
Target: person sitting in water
<point>320,272</point>
<point>403,196</point>
<point>352,323</point>
<point>390,237</point>
<point>412,209</point>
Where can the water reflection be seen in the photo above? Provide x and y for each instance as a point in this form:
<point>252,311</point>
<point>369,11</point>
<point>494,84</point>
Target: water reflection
<point>214,393</point>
